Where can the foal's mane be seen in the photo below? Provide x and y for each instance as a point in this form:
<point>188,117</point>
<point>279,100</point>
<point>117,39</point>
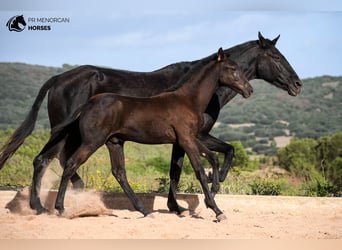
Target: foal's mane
<point>194,68</point>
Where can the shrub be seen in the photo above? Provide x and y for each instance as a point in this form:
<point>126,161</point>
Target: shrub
<point>265,187</point>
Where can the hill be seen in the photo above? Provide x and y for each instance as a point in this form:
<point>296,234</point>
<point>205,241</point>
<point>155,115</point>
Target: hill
<point>258,122</point>
<point>272,114</point>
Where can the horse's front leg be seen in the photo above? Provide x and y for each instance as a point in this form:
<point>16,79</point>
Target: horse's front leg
<point>117,159</point>
<point>193,149</point>
<point>175,172</point>
<point>217,145</point>
<point>214,162</point>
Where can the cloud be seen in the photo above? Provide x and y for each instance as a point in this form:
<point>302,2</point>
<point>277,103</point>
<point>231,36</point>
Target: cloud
<point>143,38</point>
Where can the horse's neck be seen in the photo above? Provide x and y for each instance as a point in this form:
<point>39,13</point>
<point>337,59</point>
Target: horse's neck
<point>201,86</point>
<point>245,56</point>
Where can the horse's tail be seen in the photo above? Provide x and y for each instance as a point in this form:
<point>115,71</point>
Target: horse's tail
<point>26,127</point>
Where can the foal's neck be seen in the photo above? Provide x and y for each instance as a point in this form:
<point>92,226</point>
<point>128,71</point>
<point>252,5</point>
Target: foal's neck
<point>201,86</point>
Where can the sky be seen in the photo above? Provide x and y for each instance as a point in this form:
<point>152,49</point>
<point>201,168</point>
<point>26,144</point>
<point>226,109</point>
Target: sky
<point>149,34</point>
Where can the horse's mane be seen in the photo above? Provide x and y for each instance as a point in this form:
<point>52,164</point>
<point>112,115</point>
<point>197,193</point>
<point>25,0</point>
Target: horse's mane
<point>241,48</point>
<point>193,66</point>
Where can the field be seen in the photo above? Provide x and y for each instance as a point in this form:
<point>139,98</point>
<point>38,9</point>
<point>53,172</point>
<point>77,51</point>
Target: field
<point>97,216</point>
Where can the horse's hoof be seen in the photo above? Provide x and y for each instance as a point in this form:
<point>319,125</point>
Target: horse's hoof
<point>60,211</point>
<point>184,213</point>
<point>221,217</point>
<point>42,210</point>
<point>149,215</point>
<point>78,185</point>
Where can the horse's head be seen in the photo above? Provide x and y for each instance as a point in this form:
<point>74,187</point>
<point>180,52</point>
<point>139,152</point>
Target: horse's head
<point>232,76</point>
<point>20,19</point>
<point>273,67</point>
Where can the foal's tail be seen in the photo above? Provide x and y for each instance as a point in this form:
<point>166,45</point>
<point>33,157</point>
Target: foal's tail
<point>27,126</point>
<point>67,128</point>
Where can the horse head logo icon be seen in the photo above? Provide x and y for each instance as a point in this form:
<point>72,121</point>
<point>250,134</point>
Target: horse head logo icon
<point>16,23</point>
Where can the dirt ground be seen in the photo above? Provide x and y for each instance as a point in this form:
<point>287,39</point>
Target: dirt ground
<point>93,215</point>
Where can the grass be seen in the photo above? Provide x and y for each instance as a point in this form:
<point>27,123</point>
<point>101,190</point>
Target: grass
<point>147,169</point>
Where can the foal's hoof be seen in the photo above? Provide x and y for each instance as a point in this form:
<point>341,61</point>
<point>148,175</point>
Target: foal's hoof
<point>221,217</point>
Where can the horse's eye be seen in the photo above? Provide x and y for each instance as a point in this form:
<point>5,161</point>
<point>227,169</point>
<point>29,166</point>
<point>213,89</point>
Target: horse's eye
<point>276,57</point>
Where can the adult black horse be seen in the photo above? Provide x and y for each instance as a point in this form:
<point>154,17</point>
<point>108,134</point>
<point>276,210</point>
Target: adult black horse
<point>113,119</point>
<point>259,59</point>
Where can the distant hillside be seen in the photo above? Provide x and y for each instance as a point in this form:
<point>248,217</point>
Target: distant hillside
<point>19,86</point>
<point>270,113</point>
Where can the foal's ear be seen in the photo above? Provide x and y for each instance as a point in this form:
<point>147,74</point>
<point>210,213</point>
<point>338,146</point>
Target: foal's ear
<point>220,55</point>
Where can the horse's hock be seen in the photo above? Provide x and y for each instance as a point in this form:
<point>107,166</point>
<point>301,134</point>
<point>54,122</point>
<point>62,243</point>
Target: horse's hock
<point>93,203</point>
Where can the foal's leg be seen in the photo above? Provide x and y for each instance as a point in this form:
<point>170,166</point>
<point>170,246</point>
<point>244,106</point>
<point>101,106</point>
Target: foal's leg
<point>217,145</point>
<point>71,166</point>
<point>118,169</point>
<point>175,172</point>
<point>40,164</point>
<point>73,141</point>
<point>193,149</point>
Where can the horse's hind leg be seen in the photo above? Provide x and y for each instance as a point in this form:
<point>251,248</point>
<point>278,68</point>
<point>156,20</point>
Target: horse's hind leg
<point>76,180</point>
<point>118,169</point>
<point>40,164</point>
<point>175,172</point>
<point>73,141</point>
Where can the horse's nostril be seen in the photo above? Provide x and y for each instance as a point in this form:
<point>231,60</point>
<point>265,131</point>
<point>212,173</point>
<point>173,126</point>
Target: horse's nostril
<point>298,84</point>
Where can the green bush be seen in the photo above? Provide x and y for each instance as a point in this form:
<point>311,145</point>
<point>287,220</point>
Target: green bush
<point>265,187</point>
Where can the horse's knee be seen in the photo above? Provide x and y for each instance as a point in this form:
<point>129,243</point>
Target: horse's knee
<point>37,161</point>
<point>230,150</point>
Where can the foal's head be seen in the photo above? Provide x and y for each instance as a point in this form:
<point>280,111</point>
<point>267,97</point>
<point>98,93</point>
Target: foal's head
<point>232,76</point>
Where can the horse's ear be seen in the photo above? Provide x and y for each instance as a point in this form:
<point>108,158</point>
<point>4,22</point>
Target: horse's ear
<point>262,40</point>
<point>274,41</point>
<point>220,55</point>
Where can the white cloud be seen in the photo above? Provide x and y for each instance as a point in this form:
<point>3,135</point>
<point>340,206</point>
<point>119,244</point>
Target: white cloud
<point>152,37</point>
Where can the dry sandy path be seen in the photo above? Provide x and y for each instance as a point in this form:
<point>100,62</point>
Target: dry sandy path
<point>249,217</point>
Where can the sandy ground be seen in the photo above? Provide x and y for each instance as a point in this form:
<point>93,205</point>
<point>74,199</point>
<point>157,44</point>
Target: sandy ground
<point>92,215</point>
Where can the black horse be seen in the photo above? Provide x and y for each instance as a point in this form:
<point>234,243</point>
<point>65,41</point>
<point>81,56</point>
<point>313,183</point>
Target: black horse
<point>67,91</point>
<point>170,117</point>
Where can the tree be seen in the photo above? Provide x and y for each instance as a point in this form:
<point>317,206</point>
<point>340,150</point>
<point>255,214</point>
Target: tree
<point>241,158</point>
<point>299,157</point>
